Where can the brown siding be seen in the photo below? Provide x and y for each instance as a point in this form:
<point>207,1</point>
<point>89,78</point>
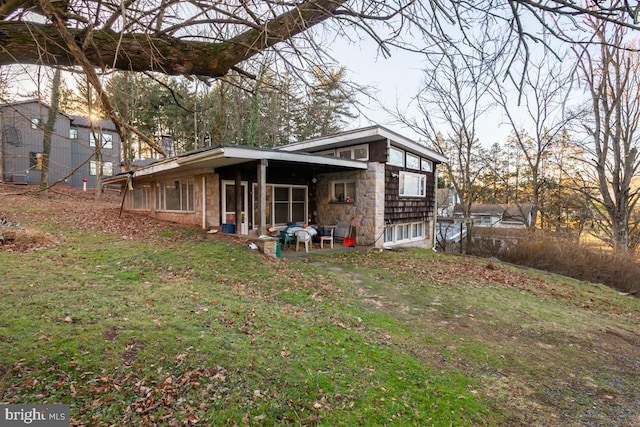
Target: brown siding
<point>406,209</point>
<point>378,151</point>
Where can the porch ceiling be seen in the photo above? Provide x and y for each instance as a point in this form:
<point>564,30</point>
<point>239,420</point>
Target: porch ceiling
<point>223,156</point>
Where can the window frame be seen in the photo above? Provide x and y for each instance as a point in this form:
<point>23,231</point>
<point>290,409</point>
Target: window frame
<point>415,158</point>
<point>106,139</point>
<point>186,201</point>
<point>290,202</point>
<point>104,166</point>
<point>140,197</point>
<point>73,133</point>
<point>405,232</point>
<point>344,183</point>
<point>36,122</point>
<point>422,184</point>
<point>352,152</point>
<point>391,160</point>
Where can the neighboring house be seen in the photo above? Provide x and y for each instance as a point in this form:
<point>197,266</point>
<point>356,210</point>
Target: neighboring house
<point>379,183</point>
<point>501,215</point>
<point>447,199</point>
<point>73,146</point>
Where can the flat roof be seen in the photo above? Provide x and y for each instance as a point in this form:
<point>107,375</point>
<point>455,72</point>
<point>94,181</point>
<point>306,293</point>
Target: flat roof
<point>360,136</point>
<point>228,155</point>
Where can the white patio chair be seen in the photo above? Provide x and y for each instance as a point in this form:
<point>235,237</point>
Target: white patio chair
<point>303,236</point>
<point>328,238</point>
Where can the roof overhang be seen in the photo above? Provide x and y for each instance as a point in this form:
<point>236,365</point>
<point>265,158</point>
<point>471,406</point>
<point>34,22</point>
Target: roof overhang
<point>361,136</point>
<point>224,156</point>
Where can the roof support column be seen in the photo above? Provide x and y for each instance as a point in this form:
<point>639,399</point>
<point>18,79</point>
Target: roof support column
<point>262,197</point>
<point>239,200</point>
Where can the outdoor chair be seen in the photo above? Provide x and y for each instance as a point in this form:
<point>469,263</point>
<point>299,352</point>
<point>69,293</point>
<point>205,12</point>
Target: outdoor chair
<point>303,236</point>
<point>328,238</point>
<point>286,239</point>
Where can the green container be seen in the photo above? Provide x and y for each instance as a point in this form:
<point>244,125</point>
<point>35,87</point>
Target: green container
<point>278,250</point>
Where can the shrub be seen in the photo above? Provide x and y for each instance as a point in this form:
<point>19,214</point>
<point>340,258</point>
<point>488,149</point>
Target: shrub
<point>561,255</point>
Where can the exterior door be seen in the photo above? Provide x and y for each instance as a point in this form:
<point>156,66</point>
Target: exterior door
<point>229,205</point>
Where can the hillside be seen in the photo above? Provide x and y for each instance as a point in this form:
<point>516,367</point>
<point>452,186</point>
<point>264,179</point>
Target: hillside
<point>137,322</point>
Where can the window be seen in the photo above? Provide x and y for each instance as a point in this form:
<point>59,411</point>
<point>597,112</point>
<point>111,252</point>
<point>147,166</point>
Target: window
<point>404,233</point>
<point>107,168</point>
<point>396,157</point>
<point>106,140</point>
<point>285,204</point>
<point>36,122</point>
<point>359,152</point>
<point>413,161</point>
<point>413,184</point>
<point>35,161</point>
<point>427,165</point>
<point>175,195</point>
<point>73,133</point>
<point>343,191</point>
<point>331,153</point>
<point>140,197</point>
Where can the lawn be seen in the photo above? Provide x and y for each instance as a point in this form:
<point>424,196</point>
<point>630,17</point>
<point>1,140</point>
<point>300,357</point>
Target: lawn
<point>133,322</point>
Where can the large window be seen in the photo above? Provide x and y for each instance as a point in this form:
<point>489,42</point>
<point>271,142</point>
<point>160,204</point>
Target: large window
<point>285,204</point>
<point>106,139</point>
<point>413,184</point>
<point>175,195</point>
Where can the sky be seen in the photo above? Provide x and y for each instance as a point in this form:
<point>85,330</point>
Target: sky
<point>395,80</point>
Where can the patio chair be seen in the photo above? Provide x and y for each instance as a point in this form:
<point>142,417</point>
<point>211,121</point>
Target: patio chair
<point>303,236</point>
<point>286,239</point>
<point>328,238</point>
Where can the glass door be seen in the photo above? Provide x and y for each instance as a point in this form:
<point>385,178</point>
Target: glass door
<point>229,205</point>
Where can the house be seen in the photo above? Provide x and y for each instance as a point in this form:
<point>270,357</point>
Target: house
<point>74,155</point>
<point>447,199</point>
<point>501,215</point>
<point>379,183</point>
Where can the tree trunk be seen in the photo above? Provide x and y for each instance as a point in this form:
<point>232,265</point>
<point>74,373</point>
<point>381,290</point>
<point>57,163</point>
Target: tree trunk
<point>22,42</point>
<point>48,130</point>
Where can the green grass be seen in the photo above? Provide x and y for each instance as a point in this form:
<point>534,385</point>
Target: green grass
<point>194,330</point>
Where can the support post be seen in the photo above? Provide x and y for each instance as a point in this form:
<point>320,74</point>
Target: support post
<point>262,197</point>
<point>238,188</point>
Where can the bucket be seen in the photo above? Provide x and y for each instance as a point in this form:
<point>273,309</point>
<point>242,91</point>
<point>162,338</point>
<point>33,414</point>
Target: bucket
<point>349,241</point>
<point>229,228</point>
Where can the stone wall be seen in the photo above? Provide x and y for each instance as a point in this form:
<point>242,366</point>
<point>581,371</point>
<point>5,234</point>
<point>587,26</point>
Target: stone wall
<point>368,209</point>
<point>213,200</point>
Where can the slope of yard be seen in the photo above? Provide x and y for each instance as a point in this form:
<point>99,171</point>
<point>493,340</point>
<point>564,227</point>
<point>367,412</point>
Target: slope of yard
<point>136,322</point>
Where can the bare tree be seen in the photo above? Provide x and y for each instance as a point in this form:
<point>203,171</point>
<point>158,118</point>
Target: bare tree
<point>48,129</point>
<point>210,38</point>
<point>543,98</point>
<point>611,75</point>
<point>453,99</point>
